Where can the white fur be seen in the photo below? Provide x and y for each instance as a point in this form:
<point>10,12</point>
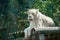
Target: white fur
<point>38,20</point>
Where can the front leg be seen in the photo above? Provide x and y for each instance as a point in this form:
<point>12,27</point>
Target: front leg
<point>27,33</point>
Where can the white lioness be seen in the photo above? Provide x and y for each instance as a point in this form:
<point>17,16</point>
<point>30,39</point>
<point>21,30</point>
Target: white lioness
<point>37,19</point>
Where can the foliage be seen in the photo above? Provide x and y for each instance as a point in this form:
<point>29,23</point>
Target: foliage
<point>12,11</point>
<point>16,10</point>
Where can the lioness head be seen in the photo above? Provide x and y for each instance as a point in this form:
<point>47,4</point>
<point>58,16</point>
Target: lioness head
<point>32,13</point>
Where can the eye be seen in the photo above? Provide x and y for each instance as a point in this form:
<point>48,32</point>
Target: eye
<point>29,13</point>
<point>33,13</point>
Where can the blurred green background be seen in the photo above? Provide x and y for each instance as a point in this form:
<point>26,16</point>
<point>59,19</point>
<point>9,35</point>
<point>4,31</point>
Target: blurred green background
<point>13,11</point>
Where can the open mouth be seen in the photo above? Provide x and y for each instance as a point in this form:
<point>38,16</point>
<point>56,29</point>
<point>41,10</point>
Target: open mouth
<point>30,19</point>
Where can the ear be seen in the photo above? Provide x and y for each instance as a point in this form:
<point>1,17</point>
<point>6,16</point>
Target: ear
<point>27,12</point>
<point>28,9</point>
<point>37,9</point>
<point>37,12</point>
